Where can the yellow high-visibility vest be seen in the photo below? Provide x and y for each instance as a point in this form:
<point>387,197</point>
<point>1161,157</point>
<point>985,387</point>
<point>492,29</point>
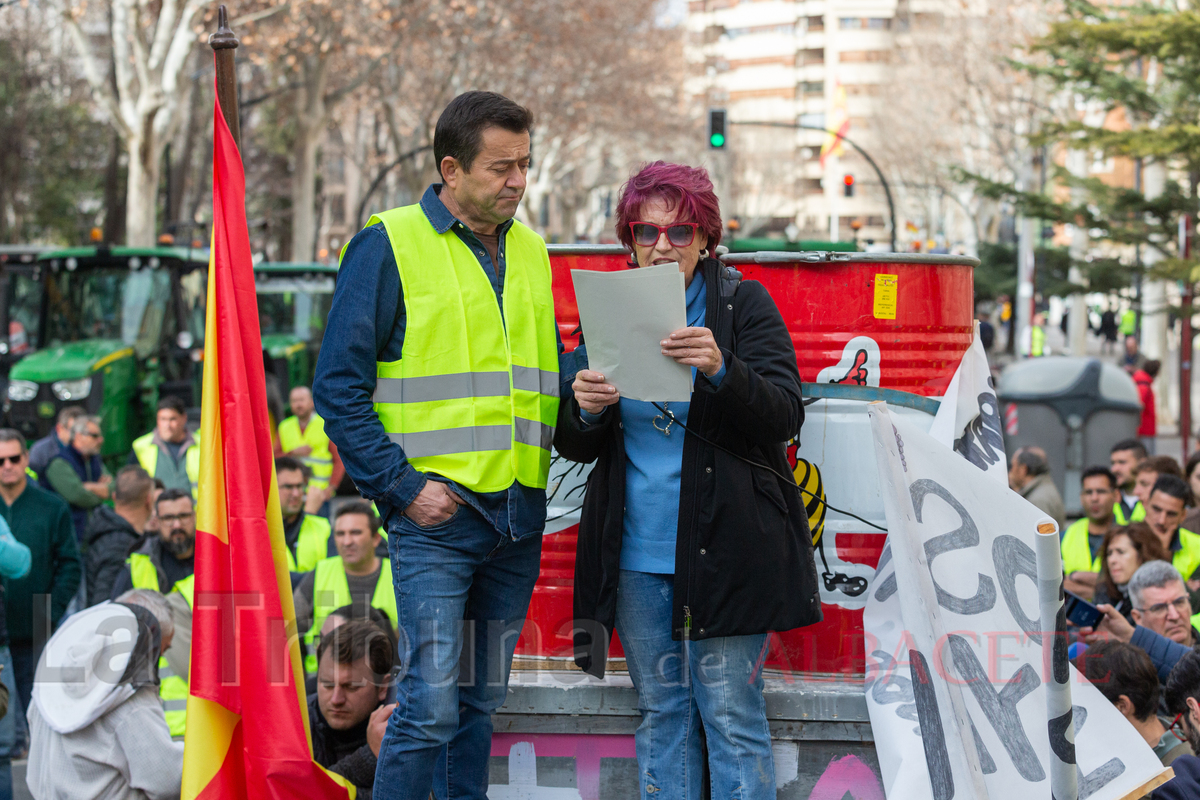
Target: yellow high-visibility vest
<point>147,455</point>
<point>320,460</point>
<point>1137,515</point>
<point>474,396</point>
<point>172,688</point>
<point>312,546</point>
<point>331,591</point>
<point>1076,553</point>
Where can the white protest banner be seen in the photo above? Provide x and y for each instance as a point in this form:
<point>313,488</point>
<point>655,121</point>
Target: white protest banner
<point>954,659</point>
<point>968,421</point>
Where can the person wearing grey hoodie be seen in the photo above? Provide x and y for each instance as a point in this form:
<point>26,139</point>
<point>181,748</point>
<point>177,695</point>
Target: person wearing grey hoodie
<point>96,725</point>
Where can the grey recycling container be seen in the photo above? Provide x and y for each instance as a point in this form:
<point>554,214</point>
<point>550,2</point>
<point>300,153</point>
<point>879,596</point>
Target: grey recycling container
<point>1074,408</point>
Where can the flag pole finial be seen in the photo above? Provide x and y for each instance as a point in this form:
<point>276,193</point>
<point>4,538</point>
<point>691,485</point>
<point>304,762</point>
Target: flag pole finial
<point>223,42</point>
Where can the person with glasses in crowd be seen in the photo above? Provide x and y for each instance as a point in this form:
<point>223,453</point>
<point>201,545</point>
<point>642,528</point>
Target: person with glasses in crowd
<point>165,560</point>
<point>1124,674</point>
<point>1182,695</point>
<point>77,474</point>
<point>1160,602</point>
<point>306,535</point>
<point>41,521</point>
<point>693,552</point>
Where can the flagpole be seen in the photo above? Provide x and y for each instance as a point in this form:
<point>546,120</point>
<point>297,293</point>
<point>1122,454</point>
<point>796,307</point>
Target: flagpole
<point>223,43</point>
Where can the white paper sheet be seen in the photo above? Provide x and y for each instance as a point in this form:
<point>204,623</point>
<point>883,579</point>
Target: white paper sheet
<point>624,317</point>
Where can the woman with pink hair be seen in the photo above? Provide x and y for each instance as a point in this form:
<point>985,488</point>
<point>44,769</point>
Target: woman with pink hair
<point>693,542</point>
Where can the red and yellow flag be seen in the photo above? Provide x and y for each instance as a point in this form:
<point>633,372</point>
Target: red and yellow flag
<point>837,125</point>
<point>247,720</point>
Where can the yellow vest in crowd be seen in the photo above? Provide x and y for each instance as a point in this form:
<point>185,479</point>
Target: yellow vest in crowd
<point>474,396</point>
<point>172,688</point>
<point>331,592</point>
<point>1076,553</point>
<point>147,453</point>
<point>320,460</point>
<point>1137,515</point>
<point>312,545</point>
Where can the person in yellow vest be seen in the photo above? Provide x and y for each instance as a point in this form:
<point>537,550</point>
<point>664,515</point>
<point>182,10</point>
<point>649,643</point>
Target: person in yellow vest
<point>1081,554</point>
<point>1037,336</point>
<point>438,379</point>
<point>169,453</point>
<point>302,436</point>
<point>166,559</point>
<point>1147,473</point>
<point>355,576</point>
<point>1124,459</point>
<point>1164,512</point>
<point>174,664</point>
<point>1160,602</point>
<point>306,535</point>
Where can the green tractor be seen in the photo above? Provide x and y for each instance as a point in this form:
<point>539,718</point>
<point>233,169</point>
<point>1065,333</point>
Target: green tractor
<point>120,327</point>
<point>293,304</point>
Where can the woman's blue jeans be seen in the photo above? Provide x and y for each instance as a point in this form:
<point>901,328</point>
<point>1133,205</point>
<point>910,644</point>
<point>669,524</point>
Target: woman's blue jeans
<point>716,683</point>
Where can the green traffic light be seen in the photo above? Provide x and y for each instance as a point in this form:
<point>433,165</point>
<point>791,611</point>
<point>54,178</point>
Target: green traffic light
<point>717,140</point>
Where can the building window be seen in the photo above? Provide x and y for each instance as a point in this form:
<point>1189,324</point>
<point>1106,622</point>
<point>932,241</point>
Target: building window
<point>865,23</point>
<point>811,186</point>
<point>815,120</point>
<point>337,209</point>
<point>814,55</point>
<point>812,87</point>
<point>816,23</point>
<point>863,56</point>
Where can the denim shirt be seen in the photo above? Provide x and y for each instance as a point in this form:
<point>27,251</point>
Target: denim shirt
<point>366,325</point>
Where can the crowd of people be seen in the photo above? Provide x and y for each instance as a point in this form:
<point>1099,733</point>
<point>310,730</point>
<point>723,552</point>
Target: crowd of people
<point>79,546</point>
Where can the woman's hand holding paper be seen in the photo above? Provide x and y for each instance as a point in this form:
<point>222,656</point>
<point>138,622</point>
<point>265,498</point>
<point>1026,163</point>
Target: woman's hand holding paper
<point>694,347</point>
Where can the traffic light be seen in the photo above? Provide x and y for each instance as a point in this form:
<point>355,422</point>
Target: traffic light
<point>716,128</point>
<point>848,185</point>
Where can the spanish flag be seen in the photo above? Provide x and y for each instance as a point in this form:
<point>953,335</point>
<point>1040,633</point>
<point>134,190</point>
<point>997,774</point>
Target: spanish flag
<point>247,719</point>
<point>837,125</point>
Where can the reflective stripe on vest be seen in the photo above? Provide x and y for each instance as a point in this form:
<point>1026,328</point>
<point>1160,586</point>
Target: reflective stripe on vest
<point>1138,515</point>
<point>1076,551</point>
<point>474,396</point>
<point>331,592</point>
<point>142,572</point>
<point>320,460</point>
<point>172,688</point>
<point>311,546</point>
<point>1187,557</point>
<point>147,455</point>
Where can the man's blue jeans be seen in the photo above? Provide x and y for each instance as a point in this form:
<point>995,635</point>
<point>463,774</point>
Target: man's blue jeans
<point>8,725</point>
<point>461,588</point>
<point>715,682</point>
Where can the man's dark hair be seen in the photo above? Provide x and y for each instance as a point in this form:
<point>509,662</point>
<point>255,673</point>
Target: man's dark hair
<point>1118,668</point>
<point>291,465</point>
<point>1152,367</point>
<point>170,401</point>
<point>172,494</point>
<point>359,507</point>
<point>1139,449</point>
<point>1092,472</point>
<point>459,131</point>
<point>1183,682</point>
<point>1163,465</point>
<point>68,414</point>
<point>362,610</point>
<point>355,639</point>
<point>10,435</point>
<point>1033,460</point>
<point>1173,486</point>
<point>132,486</point>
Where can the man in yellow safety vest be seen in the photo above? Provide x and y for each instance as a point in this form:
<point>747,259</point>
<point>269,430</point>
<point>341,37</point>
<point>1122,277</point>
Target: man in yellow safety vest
<point>306,535</point>
<point>1081,554</point>
<point>166,559</point>
<point>355,576</point>
<point>1164,512</point>
<point>302,437</point>
<point>1124,459</point>
<point>169,453</point>
<point>438,379</point>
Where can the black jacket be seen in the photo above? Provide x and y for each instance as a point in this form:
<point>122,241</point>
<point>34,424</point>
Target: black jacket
<point>110,540</point>
<point>744,556</point>
<point>344,752</point>
<point>1186,783</point>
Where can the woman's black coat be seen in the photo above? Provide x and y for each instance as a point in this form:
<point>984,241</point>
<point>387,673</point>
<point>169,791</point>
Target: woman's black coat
<point>744,556</point>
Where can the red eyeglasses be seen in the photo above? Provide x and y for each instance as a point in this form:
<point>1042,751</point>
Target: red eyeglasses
<point>1177,729</point>
<point>679,234</point>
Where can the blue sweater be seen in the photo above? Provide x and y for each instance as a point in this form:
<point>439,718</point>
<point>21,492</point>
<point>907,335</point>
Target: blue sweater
<point>653,463</point>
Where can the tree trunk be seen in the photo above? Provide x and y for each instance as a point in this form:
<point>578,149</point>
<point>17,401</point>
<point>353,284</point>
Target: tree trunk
<point>141,192</point>
<point>310,123</point>
<point>114,204</point>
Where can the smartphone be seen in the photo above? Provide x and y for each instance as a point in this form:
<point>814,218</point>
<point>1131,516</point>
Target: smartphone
<point>1082,613</point>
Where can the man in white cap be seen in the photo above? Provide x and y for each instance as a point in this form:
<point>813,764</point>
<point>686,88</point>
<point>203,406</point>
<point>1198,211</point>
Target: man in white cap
<point>96,725</point>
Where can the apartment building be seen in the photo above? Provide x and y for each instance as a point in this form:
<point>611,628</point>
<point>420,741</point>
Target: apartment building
<point>793,61</point>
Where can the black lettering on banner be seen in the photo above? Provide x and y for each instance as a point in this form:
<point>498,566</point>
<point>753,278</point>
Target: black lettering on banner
<point>967,535</point>
<point>1012,557</point>
<point>1062,747</point>
<point>887,586</point>
<point>894,688</point>
<point>982,441</point>
<point>933,737</point>
<point>1001,708</point>
<point>1102,775</point>
<point>1062,666</point>
<point>986,762</point>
